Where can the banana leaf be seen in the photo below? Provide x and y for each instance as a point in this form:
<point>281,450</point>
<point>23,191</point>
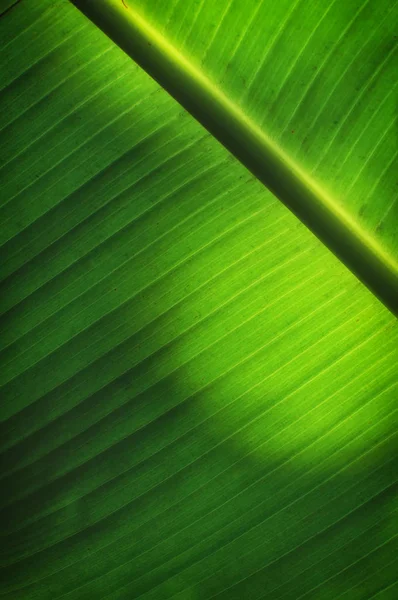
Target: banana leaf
<point>274,107</point>
<point>198,397</point>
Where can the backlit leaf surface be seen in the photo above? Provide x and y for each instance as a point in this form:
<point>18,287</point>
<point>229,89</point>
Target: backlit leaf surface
<point>198,398</point>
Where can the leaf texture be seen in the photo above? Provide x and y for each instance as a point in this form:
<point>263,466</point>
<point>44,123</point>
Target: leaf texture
<point>198,398</point>
<point>320,78</point>
<point>257,136</point>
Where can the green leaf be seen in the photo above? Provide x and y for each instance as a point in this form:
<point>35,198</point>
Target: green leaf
<point>274,108</point>
<point>198,398</point>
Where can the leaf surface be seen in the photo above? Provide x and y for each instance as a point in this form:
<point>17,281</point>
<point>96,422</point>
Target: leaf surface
<point>198,398</point>
<point>303,95</point>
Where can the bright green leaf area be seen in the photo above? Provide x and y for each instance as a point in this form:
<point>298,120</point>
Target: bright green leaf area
<point>321,78</point>
<point>198,398</point>
<point>246,119</point>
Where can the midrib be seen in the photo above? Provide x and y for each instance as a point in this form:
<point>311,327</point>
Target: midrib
<point>227,122</point>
